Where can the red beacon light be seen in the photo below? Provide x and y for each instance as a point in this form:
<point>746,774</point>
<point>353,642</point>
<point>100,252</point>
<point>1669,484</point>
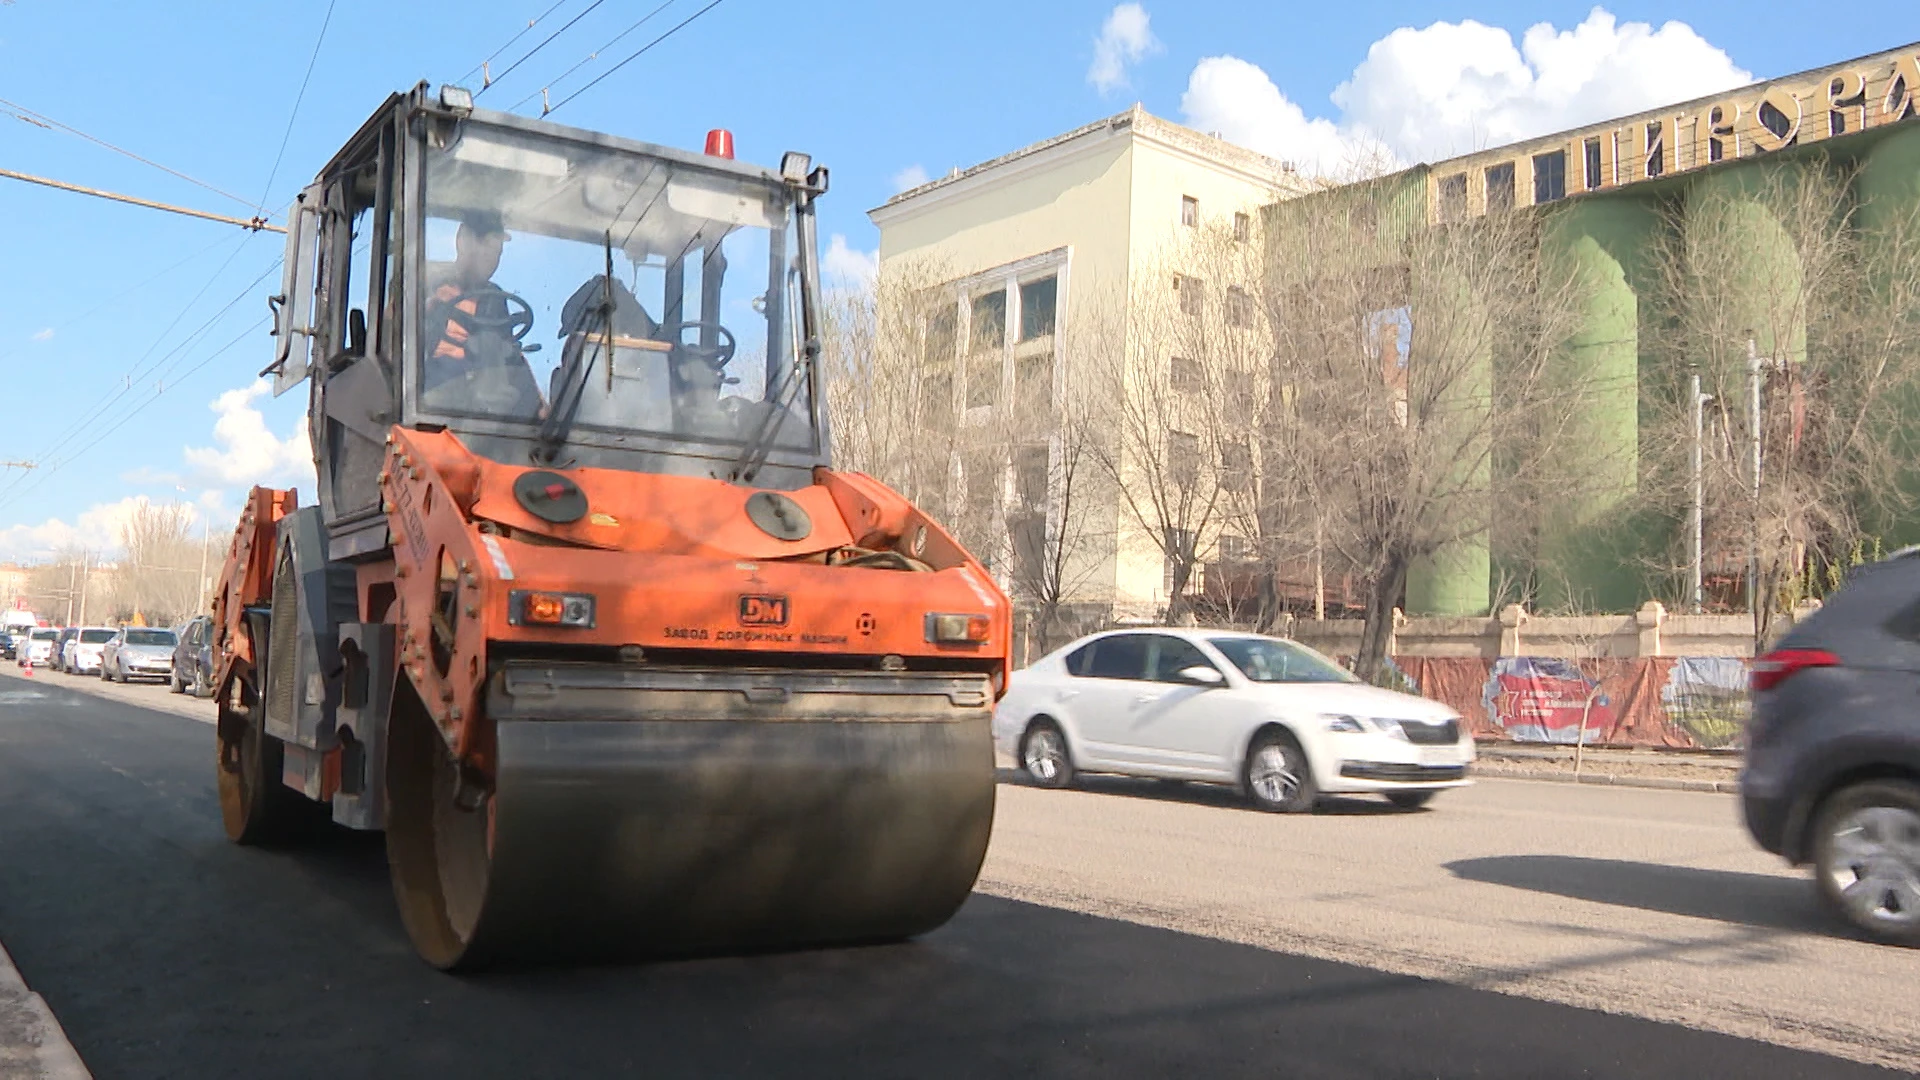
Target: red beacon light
<point>720,143</point>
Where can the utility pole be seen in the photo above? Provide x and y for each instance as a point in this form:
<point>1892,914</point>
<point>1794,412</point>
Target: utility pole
<point>1756,366</point>
<point>72,581</point>
<point>206,541</point>
<point>84,569</point>
<point>1697,512</point>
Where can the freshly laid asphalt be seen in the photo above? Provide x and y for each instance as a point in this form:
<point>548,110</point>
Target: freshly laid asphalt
<point>166,952</point>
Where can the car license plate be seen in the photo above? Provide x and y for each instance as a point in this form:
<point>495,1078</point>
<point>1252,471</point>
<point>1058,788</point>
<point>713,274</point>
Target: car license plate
<point>1440,755</point>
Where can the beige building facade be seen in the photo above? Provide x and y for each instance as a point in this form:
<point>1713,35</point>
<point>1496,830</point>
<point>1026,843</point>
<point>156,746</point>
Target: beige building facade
<point>1034,248</point>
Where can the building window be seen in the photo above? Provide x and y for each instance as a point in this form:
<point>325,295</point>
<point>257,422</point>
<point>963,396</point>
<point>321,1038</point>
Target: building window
<point>983,379</point>
<point>1183,458</point>
<point>1193,294</point>
<point>1184,376</point>
<point>1236,466</point>
<point>984,487</point>
<point>1239,307</point>
<point>936,403</point>
<point>1030,476</point>
<point>1242,228</point>
<point>1500,187</point>
<point>1549,176</point>
<point>1591,177</point>
<point>1453,198</point>
<point>941,343</point>
<point>1235,549</point>
<point>1033,382</point>
<point>1189,211</point>
<point>989,328</point>
<point>1037,303</point>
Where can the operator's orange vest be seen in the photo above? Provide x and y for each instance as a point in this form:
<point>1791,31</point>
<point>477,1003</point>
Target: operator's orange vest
<point>453,340</point>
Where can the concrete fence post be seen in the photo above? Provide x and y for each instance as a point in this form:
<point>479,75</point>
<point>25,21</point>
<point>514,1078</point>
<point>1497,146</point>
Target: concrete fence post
<point>1648,621</point>
<point>1512,618</point>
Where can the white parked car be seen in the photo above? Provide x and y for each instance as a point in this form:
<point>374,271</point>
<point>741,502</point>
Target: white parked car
<point>81,653</point>
<point>1273,717</point>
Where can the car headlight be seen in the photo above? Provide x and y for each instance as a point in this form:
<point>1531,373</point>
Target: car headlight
<point>1389,727</point>
<point>1349,724</point>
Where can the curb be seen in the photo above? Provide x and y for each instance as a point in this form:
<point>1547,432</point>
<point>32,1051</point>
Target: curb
<point>30,1037</point>
<point>1655,783</point>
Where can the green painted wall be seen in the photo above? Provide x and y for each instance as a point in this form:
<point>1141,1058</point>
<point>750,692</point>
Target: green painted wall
<point>1588,548</point>
<point>1888,189</point>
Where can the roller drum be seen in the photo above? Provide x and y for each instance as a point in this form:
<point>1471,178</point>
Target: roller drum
<point>641,836</point>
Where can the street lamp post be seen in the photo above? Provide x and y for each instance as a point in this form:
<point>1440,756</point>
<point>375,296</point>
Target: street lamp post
<point>1697,512</point>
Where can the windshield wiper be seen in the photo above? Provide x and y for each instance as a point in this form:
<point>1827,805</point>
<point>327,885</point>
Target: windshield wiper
<point>575,372</point>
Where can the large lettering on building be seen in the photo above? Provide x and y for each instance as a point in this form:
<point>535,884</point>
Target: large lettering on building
<point>1795,111</point>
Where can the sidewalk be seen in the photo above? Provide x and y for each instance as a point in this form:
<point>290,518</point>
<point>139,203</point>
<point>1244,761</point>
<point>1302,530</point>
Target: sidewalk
<point>32,1046</point>
<point>1669,770</point>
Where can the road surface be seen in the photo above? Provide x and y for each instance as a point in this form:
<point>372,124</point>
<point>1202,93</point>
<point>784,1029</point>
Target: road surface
<point>1125,931</point>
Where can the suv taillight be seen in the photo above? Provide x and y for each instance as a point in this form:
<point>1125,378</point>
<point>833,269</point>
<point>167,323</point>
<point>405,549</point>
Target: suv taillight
<point>1779,665</point>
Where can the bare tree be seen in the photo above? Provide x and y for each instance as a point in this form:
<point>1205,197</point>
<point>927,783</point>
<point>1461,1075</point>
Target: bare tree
<point>159,578</point>
<point>1799,310</point>
<point>1381,411</point>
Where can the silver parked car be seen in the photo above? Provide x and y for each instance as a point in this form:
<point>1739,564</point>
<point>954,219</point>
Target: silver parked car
<point>138,652</point>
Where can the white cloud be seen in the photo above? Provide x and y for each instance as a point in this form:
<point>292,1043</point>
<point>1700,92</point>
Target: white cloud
<point>97,529</point>
<point>247,452</point>
<point>1237,101</point>
<point>1125,39</point>
<point>909,178</point>
<point>44,335</point>
<point>845,267</point>
<point>1451,88</point>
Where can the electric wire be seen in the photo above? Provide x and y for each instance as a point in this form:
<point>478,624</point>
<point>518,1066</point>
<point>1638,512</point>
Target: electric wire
<point>641,52</point>
<point>592,56</point>
<point>40,119</point>
<point>274,173</point>
<point>98,413</point>
<point>549,40</point>
<point>531,23</point>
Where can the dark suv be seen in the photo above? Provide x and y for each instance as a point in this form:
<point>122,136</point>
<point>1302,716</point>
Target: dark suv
<point>193,657</point>
<point>1832,774</point>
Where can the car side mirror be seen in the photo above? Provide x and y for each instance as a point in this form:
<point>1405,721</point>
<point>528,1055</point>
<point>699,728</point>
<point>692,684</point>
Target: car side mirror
<point>1199,675</point>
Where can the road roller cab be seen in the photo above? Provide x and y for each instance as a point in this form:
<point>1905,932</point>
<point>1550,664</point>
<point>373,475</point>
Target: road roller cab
<point>584,618</point>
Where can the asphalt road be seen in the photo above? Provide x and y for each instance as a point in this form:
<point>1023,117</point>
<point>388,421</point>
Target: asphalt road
<point>166,952</point>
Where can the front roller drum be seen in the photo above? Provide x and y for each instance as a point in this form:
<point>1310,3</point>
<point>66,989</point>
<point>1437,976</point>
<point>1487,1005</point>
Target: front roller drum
<point>630,838</point>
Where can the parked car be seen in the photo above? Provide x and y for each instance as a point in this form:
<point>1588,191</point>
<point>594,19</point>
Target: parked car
<point>138,652</point>
<point>193,657</point>
<point>8,644</point>
<point>39,646</point>
<point>57,659</point>
<point>1280,721</point>
<point>80,650</point>
<point>1832,773</point>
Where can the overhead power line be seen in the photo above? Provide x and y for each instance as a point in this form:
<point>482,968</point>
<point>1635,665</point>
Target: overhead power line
<point>274,173</point>
<point>257,223</point>
<point>40,119</point>
<point>481,67</point>
<point>637,55</point>
<point>549,40</point>
<point>592,56</point>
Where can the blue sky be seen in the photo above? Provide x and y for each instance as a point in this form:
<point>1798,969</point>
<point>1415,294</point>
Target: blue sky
<point>112,318</point>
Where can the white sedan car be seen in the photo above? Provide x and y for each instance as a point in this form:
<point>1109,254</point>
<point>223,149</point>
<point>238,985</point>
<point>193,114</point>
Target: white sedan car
<point>1273,717</point>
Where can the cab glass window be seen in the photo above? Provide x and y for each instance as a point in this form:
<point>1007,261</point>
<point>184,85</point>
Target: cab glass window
<point>1172,655</point>
<point>1122,657</point>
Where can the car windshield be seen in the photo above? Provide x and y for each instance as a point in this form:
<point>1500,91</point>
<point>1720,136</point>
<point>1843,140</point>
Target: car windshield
<point>95,637</point>
<point>1265,660</point>
<point>150,637</point>
<point>45,635</point>
<point>521,232</point>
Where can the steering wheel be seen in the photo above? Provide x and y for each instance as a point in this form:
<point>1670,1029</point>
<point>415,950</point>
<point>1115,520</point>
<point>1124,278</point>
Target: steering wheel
<point>515,321</point>
<point>717,356</point>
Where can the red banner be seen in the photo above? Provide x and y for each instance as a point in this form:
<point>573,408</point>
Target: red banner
<point>1693,702</point>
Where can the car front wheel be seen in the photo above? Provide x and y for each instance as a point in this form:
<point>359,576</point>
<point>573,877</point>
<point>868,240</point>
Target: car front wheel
<point>1866,858</point>
<point>1043,754</point>
<point>1277,776</point>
